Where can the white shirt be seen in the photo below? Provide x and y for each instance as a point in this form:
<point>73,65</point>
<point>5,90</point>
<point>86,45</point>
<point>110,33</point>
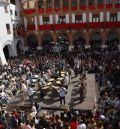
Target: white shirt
<point>30,91</point>
<point>62,91</point>
<point>81,126</point>
<point>66,80</point>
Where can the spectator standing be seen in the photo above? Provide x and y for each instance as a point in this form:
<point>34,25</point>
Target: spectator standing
<point>62,93</point>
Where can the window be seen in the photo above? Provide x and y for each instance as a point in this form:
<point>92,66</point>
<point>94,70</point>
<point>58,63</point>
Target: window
<point>74,3</point>
<point>117,1</point>
<point>108,1</point>
<point>11,12</point>
<point>91,2</point>
<point>113,17</point>
<point>12,2</point>
<point>62,19</point>
<point>57,3</point>
<point>15,13</point>
<point>100,1</point>
<point>29,4</point>
<point>8,28</point>
<point>95,17</point>
<point>6,9</point>
<point>65,3</point>
<point>46,20</point>
<point>49,4</point>
<point>82,2</point>
<point>78,18</point>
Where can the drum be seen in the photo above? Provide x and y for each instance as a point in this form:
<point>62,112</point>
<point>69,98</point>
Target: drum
<point>60,79</point>
<point>62,75</point>
<point>49,84</point>
<point>36,76</point>
<point>51,80</point>
<point>46,88</point>
<point>34,80</point>
<point>58,82</point>
<point>63,72</point>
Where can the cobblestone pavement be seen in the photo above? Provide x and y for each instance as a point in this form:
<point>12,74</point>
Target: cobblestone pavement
<point>51,100</point>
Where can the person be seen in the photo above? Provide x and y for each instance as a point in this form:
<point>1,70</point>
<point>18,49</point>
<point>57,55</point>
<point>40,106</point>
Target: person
<point>81,92</point>
<point>66,80</point>
<point>81,125</point>
<point>73,123</point>
<point>30,93</point>
<point>62,93</point>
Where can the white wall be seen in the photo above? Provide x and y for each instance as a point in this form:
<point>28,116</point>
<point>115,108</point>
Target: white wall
<point>5,38</point>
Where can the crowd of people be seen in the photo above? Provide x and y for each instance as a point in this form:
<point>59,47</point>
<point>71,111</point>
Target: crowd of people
<point>21,74</point>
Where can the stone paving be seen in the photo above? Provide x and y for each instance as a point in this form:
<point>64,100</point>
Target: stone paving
<point>51,100</point>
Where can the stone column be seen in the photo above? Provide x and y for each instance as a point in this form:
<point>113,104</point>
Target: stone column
<point>78,5</point>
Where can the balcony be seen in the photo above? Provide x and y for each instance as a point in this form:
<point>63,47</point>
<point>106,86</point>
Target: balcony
<point>46,27</point>
<point>108,6</point>
<point>31,27</point>
<point>61,26</point>
<point>29,11</point>
<point>100,6</point>
<point>117,5</point>
<point>78,25</point>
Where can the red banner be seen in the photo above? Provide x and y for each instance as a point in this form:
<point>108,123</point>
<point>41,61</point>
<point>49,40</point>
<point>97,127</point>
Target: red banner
<point>74,8</point>
<point>40,10</point>
<point>117,6</point>
<point>57,9</point>
<point>92,7</point>
<point>48,10</point>
<point>108,6</point>
<point>78,25</point>
<point>31,27</point>
<point>100,6</point>
<point>29,11</point>
<point>46,27</point>
<point>83,7</point>
<point>61,26</point>
<point>65,9</point>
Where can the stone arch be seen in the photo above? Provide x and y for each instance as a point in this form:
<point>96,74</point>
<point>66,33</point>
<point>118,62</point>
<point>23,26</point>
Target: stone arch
<point>63,35</point>
<point>79,41</point>
<point>95,39</point>
<point>47,40</point>
<point>7,49</point>
<point>63,39</point>
<point>32,41</point>
<point>112,35</point>
<point>112,40</point>
<point>19,46</point>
